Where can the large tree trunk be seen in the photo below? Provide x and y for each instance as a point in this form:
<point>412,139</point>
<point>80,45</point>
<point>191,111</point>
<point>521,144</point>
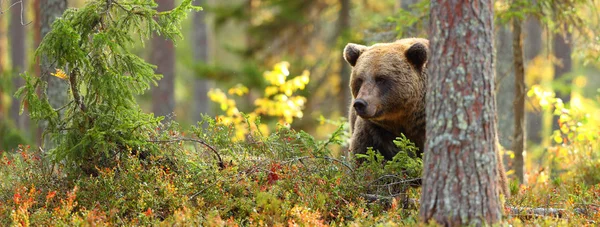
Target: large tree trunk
<point>201,53</point>
<point>163,56</point>
<point>518,145</point>
<point>17,55</point>
<point>57,90</point>
<point>533,47</point>
<point>343,26</point>
<point>459,172</point>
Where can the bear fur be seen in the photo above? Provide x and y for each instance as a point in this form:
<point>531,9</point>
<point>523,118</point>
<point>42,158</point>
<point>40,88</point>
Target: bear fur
<point>388,85</point>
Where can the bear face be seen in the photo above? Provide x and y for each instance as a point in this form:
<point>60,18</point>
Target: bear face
<point>388,85</point>
<point>388,80</point>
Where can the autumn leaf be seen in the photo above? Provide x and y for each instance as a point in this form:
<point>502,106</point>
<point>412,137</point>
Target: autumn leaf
<point>60,74</point>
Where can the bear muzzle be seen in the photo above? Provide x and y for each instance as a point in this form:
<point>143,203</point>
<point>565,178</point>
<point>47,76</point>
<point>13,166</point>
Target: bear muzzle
<point>363,109</point>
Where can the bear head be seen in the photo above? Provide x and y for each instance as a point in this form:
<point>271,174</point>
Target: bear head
<point>388,80</point>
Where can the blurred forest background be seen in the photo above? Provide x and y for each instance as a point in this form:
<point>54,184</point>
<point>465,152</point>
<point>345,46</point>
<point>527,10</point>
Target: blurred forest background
<point>230,44</point>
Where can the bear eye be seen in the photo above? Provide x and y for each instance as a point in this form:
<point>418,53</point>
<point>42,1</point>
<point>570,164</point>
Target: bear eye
<point>356,85</point>
<point>380,80</point>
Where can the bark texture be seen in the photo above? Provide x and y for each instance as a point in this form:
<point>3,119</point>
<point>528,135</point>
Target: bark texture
<point>518,145</point>
<point>17,55</point>
<point>459,177</point>
<point>58,89</point>
<point>163,56</point>
<point>201,53</point>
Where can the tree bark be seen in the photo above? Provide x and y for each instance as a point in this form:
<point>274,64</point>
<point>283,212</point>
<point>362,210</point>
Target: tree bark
<point>17,55</point>
<point>459,173</point>
<point>518,145</point>
<point>343,27</point>
<point>163,56</point>
<point>57,90</point>
<point>201,53</point>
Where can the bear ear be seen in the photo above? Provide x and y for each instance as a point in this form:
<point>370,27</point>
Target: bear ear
<point>417,55</point>
<point>352,52</point>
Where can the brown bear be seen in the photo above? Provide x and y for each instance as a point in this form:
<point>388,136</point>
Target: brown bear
<point>388,86</point>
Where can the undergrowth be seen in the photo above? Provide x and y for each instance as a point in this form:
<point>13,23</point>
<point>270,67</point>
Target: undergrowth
<point>206,178</point>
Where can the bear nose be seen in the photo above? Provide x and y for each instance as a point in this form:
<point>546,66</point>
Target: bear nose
<point>360,105</point>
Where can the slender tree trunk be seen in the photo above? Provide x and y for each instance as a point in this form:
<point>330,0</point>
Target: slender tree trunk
<point>37,39</point>
<point>518,146</point>
<point>343,27</point>
<point>561,48</point>
<point>163,56</point>
<point>459,173</point>
<point>533,38</point>
<point>58,89</point>
<point>2,68</point>
<point>17,54</point>
<point>505,84</point>
<point>201,53</point>
<point>533,47</point>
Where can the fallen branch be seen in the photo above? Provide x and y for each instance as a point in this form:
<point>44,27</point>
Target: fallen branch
<point>528,213</point>
<point>221,163</point>
<point>321,157</point>
<point>407,203</point>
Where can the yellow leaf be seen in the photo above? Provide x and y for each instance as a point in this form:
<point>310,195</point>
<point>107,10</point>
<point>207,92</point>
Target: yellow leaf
<point>60,74</point>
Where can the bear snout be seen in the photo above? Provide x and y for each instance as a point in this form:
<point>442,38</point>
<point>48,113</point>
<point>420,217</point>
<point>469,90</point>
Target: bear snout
<point>360,105</point>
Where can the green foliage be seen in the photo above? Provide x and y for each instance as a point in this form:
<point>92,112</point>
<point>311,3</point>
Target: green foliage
<point>10,137</point>
<point>392,178</point>
<point>412,22</point>
<point>405,161</point>
<point>90,47</point>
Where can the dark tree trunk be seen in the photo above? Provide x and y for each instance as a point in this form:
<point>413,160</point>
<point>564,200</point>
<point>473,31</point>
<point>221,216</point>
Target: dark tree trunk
<point>201,52</point>
<point>163,56</point>
<point>2,68</point>
<point>343,27</point>
<point>17,55</point>
<point>561,48</point>
<point>533,38</point>
<point>459,173</point>
<point>533,47</point>
<point>505,84</point>
<point>57,90</point>
<point>518,145</point>
<point>37,39</point>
